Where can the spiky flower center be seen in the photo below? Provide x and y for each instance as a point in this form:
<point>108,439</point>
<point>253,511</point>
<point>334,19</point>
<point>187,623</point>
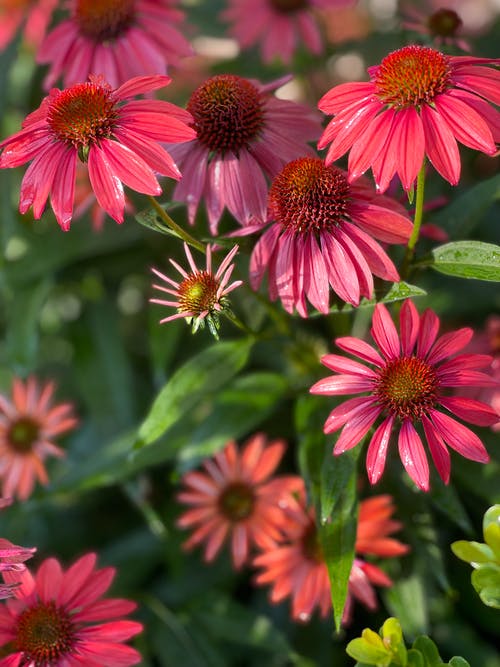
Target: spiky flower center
<point>444,23</point>
<point>228,113</point>
<point>407,387</point>
<point>308,196</point>
<point>289,6</point>
<point>412,76</point>
<point>237,502</point>
<point>44,633</point>
<point>103,20</point>
<point>311,546</point>
<point>23,433</point>
<point>198,293</point>
<point>83,115</point>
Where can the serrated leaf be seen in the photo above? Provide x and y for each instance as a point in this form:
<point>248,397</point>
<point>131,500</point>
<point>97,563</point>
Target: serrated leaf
<point>472,552</point>
<point>468,259</point>
<point>203,374</point>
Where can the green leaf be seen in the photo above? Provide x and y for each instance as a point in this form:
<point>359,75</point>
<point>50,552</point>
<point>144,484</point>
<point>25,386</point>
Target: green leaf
<point>491,516</point>
<point>203,374</point>
<point>429,651</point>
<point>457,661</point>
<point>397,292</point>
<point>392,632</point>
<point>492,538</point>
<point>490,596</point>
<point>472,552</point>
<point>407,600</point>
<point>447,501</point>
<point>468,259</point>
<point>415,659</point>
<point>486,581</point>
<point>361,650</point>
<point>338,522</point>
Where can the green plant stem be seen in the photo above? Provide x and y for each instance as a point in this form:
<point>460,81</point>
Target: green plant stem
<point>177,229</point>
<point>237,322</point>
<point>417,223</point>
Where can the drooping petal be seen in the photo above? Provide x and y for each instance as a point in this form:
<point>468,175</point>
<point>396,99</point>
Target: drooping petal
<point>377,450</point>
<point>412,454</point>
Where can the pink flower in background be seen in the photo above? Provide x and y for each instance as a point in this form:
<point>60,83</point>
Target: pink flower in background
<point>279,26</point>
<point>297,567</point>
<point>116,137</point>
<point>408,388</point>
<point>29,422</point>
<point>243,134</point>
<point>235,500</point>
<point>12,558</point>
<point>418,103</point>
<point>60,618</point>
<point>201,295</point>
<point>323,236</point>
<point>32,16</point>
<point>442,25</point>
<point>118,39</point>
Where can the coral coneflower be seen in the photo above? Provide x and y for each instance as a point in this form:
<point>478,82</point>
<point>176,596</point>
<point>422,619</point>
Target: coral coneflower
<point>118,39</point>
<point>59,618</point>
<point>322,237</point>
<point>280,26</point>
<point>243,134</point>
<point>407,386</point>
<point>33,16</point>
<point>418,102</point>
<point>201,295</point>
<point>117,138</point>
<point>443,25</point>
<point>29,422</point>
<point>235,500</point>
<point>297,568</point>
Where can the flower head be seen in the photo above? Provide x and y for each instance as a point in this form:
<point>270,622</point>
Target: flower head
<point>280,26</point>
<point>297,568</point>
<point>32,15</point>
<point>442,25</point>
<point>322,237</point>
<point>418,103</point>
<point>408,388</point>
<point>28,424</point>
<point>119,39</point>
<point>234,499</point>
<point>116,139</point>
<point>200,295</point>
<point>243,134</point>
<point>59,618</point>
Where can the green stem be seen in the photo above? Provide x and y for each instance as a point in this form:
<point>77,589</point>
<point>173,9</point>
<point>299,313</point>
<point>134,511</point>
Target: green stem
<point>177,229</point>
<point>417,222</point>
<point>237,322</point>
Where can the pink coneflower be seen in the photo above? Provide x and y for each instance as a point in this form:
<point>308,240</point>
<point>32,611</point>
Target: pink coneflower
<point>442,25</point>
<point>418,102</point>
<point>201,295</point>
<point>243,132</point>
<point>280,26</point>
<point>33,16</point>
<point>28,424</point>
<point>322,237</point>
<point>59,618</point>
<point>118,39</point>
<point>297,568</point>
<point>234,499</point>
<point>115,138</point>
<point>407,387</point>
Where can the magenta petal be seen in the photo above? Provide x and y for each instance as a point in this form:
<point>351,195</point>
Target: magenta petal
<point>356,428</point>
<point>459,437</point>
<point>441,145</point>
<point>363,272</point>
<point>341,384</point>
<point>377,259</point>
<point>284,270</point>
<point>38,179</point>
<point>413,456</point>
<point>384,332</point>
<point>344,412</point>
<point>470,410</point>
<point>341,364</point>
<point>448,344</point>
<point>130,168</point>
<point>341,273</point>
<point>106,185</point>
<point>141,84</point>
<point>440,455</point>
<point>367,148</point>
<point>259,261</point>
<point>63,190</point>
<point>382,223</point>
<point>465,123</point>
<point>429,327</point>
<point>315,275</point>
<point>377,450</point>
<point>409,324</point>
<point>342,96</point>
<point>360,349</point>
<point>409,137</point>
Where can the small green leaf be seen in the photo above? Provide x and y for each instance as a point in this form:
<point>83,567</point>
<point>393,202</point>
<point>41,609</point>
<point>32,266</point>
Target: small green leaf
<point>203,374</point>
<point>397,292</point>
<point>468,259</point>
<point>149,218</point>
<point>392,632</point>
<point>361,650</point>
<point>429,651</point>
<point>415,659</point>
<point>492,515</point>
<point>457,661</point>
<point>492,538</point>
<point>472,552</point>
<point>486,576</point>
